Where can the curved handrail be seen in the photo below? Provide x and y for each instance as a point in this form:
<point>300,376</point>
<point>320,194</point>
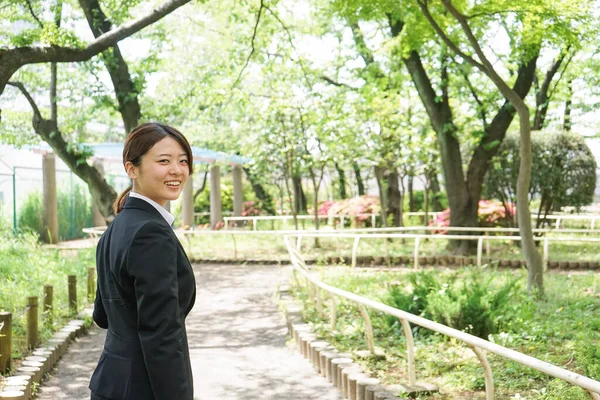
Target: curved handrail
<point>591,386</point>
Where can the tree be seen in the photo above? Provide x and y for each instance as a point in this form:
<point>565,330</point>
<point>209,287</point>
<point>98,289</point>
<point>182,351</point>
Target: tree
<point>532,256</point>
<point>565,173</point>
<point>63,47</point>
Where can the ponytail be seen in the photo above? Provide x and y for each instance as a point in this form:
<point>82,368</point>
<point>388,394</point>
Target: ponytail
<point>120,201</point>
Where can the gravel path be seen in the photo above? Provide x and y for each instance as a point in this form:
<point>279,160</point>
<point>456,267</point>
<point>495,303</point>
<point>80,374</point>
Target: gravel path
<point>237,344</point>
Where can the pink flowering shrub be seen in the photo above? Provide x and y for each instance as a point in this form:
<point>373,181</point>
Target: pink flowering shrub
<point>252,208</point>
<point>357,206</point>
<point>491,213</point>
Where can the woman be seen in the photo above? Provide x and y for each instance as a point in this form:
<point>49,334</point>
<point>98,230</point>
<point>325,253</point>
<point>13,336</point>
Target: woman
<point>146,285</point>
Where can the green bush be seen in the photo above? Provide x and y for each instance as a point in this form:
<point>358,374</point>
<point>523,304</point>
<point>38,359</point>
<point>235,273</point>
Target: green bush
<point>71,218</point>
<point>471,304</point>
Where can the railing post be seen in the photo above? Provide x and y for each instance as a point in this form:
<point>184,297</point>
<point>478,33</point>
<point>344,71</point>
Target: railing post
<point>333,306</point>
<point>488,250</point>
<point>479,251</point>
<point>354,250</point>
<point>416,253</point>
<point>545,254</point>
<point>48,299</point>
<point>410,351</point>
<point>319,301</point>
<point>487,371</point>
<point>91,284</point>
<point>234,246</point>
<point>368,328</point>
<point>557,223</point>
<point>5,341</point>
<point>32,322</point>
<point>72,294</point>
<point>342,222</point>
<point>299,242</point>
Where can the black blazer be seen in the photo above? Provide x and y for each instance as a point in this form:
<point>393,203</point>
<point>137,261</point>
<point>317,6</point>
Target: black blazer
<point>146,288</point>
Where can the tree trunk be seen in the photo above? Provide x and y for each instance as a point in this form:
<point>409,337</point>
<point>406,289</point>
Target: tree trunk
<point>394,196</point>
<point>535,276</point>
<point>261,193</point>
<point>299,196</point>
<point>567,114</point>
<point>359,181</point>
<point>342,182</point>
<point>127,94</point>
<point>542,98</point>
<point>435,192</point>
<point>411,198</point>
<point>379,171</point>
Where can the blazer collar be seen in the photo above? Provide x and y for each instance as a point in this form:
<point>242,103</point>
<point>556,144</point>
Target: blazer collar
<point>140,204</point>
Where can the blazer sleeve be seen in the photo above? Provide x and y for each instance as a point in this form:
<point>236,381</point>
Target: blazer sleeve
<point>99,314</point>
<point>152,262</point>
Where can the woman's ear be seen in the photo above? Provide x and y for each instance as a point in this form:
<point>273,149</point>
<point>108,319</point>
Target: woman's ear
<point>131,170</point>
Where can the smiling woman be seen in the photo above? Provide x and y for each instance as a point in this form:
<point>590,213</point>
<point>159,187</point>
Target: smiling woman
<point>146,285</point>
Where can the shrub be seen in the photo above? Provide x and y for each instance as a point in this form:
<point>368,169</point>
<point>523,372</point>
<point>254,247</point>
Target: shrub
<point>473,305</point>
<point>72,218</point>
<point>356,206</point>
<point>491,213</point>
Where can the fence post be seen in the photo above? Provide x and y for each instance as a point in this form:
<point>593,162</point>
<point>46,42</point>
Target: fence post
<point>545,254</point>
<point>416,253</point>
<point>410,351</point>
<point>32,322</point>
<point>91,284</point>
<point>479,251</point>
<point>333,306</point>
<point>354,250</point>
<point>48,298</point>
<point>5,341</point>
<point>72,293</point>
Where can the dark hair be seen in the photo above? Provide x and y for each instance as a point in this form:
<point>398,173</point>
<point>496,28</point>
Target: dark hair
<point>140,141</point>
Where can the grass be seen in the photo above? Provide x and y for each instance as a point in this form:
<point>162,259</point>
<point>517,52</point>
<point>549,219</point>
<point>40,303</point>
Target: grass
<point>271,247</point>
<point>563,329</point>
<point>25,267</point>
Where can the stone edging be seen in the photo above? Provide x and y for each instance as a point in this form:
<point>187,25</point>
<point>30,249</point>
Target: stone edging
<point>380,261</point>
<point>337,367</point>
<point>33,368</point>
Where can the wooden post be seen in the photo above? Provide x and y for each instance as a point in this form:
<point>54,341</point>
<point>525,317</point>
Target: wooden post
<point>91,284</point>
<point>5,341</point>
<point>73,294</point>
<point>48,299</point>
<point>32,322</point>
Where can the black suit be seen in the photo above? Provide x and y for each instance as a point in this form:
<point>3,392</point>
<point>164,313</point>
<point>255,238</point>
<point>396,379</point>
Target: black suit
<point>146,288</point>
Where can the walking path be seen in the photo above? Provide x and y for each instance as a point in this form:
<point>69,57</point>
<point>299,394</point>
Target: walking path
<point>237,344</point>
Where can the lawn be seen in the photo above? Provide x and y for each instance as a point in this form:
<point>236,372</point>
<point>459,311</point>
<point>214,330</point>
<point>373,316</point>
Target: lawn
<point>563,329</point>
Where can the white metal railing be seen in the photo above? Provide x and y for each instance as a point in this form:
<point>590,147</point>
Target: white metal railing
<point>558,219</point>
<point>591,386</point>
<point>479,238</point>
<point>330,218</point>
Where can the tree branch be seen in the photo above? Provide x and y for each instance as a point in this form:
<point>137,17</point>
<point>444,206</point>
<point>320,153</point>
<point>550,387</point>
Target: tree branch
<point>29,6</point>
<point>34,107</point>
<point>13,59</point>
<point>481,106</point>
<point>445,37</point>
<point>252,49</point>
<point>336,83</point>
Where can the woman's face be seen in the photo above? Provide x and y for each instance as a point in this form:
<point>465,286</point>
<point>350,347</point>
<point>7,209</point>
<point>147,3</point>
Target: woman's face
<point>162,171</point>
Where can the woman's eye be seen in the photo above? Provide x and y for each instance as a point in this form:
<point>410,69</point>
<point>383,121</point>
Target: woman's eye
<point>163,161</point>
<point>184,161</point>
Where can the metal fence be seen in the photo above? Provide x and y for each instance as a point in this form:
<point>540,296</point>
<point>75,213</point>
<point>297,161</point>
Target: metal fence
<point>477,345</point>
